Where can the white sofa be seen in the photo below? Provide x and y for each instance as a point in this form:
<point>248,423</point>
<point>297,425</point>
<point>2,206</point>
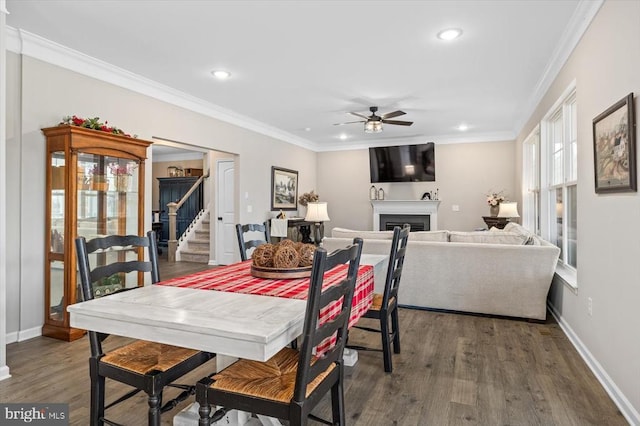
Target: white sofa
<point>499,272</point>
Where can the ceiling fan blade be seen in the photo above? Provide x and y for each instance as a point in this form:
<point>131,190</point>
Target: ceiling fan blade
<point>393,114</point>
<point>357,114</point>
<point>398,122</point>
<point>349,122</point>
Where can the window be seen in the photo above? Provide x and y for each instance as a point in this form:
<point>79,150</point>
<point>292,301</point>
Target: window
<point>559,182</point>
<point>531,182</point>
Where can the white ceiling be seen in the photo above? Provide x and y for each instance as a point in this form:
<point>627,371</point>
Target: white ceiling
<point>299,65</point>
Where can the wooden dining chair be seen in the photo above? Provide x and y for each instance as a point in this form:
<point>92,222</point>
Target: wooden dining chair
<point>146,366</point>
<point>245,244</point>
<point>385,306</point>
<point>292,382</point>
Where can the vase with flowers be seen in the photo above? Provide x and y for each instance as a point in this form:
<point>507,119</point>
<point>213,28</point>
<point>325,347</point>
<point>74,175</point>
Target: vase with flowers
<point>122,173</point>
<point>493,200</point>
<point>306,198</point>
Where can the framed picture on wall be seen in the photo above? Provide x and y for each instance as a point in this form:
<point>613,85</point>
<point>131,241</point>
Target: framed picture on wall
<point>614,148</point>
<point>284,189</point>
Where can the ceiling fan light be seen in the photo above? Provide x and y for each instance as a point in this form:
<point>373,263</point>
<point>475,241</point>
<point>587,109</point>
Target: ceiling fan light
<point>373,127</point>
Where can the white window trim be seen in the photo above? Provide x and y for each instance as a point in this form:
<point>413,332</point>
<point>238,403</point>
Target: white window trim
<point>531,172</point>
<point>567,274</point>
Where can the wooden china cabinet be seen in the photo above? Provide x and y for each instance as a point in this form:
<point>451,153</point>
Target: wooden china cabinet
<point>95,187</point>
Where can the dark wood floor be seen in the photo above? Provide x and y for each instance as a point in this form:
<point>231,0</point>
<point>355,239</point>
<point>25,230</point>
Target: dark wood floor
<point>454,369</point>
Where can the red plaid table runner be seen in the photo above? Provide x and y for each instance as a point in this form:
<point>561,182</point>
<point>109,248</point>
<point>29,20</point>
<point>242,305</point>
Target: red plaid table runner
<point>237,278</point>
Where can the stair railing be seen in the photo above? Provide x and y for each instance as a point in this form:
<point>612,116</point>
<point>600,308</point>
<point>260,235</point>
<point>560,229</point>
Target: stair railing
<point>173,215</point>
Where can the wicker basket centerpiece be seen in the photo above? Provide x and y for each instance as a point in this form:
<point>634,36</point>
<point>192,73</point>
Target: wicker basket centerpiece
<point>286,259</point>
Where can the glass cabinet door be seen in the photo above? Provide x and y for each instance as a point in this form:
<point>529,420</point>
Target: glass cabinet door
<point>107,204</point>
<point>56,302</point>
<point>107,200</point>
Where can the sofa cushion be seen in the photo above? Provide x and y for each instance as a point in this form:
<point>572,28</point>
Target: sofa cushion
<point>442,236</point>
<point>484,237</point>
<point>371,235</point>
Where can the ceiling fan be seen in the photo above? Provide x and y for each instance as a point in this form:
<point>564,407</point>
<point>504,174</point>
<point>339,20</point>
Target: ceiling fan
<point>373,123</point>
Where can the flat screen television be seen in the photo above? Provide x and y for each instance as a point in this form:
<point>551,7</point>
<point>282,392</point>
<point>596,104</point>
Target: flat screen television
<point>403,163</point>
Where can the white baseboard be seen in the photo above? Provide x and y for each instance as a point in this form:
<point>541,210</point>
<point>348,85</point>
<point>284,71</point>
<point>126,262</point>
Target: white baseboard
<point>4,372</point>
<point>29,333</point>
<point>22,335</point>
<point>621,401</point>
<point>213,263</point>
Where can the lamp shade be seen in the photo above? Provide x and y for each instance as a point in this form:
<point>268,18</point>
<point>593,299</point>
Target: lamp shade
<point>508,209</point>
<point>317,212</point>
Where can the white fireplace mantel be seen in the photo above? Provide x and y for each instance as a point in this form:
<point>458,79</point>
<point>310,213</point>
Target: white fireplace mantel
<point>409,207</point>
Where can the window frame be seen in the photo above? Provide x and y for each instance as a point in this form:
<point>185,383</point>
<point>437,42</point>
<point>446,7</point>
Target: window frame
<point>531,181</point>
<point>566,108</point>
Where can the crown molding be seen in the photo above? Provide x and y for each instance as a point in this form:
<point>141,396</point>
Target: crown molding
<point>29,44</point>
<point>438,139</point>
<point>575,29</point>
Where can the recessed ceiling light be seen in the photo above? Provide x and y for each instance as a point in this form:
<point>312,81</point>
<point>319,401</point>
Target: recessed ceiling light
<point>221,74</point>
<point>449,34</point>
<point>307,129</point>
<point>463,127</point>
<point>343,136</point>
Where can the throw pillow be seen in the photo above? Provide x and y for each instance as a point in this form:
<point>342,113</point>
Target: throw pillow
<point>520,230</point>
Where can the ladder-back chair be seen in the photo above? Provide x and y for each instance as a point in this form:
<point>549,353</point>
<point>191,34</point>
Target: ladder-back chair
<point>146,366</point>
<point>292,382</point>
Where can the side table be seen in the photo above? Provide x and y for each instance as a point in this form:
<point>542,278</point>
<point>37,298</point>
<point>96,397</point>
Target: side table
<point>498,222</point>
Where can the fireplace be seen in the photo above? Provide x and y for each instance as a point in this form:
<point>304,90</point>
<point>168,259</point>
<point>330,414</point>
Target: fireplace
<point>418,213</point>
<point>418,222</point>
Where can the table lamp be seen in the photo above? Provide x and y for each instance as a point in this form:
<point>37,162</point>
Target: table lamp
<point>317,213</point>
<point>508,209</point>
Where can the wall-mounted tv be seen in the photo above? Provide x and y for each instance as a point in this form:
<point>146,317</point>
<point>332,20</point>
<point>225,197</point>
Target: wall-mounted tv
<point>403,163</point>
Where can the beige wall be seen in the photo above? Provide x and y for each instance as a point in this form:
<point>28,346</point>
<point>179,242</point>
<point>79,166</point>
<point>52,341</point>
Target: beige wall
<point>464,174</point>
<point>605,67</point>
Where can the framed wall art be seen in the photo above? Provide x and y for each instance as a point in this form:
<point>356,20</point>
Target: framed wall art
<point>614,148</point>
<point>284,189</point>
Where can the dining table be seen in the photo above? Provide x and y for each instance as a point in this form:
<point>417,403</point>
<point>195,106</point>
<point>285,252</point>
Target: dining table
<point>238,278</point>
<point>224,310</point>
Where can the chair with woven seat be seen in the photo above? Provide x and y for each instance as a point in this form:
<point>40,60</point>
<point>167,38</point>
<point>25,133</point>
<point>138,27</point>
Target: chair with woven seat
<point>245,244</point>
<point>385,306</point>
<point>146,366</point>
<point>292,382</point>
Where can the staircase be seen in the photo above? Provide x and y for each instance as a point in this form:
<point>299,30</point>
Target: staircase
<point>195,248</point>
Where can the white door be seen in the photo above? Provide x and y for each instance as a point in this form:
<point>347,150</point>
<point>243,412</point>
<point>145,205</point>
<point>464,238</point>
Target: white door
<point>226,245</point>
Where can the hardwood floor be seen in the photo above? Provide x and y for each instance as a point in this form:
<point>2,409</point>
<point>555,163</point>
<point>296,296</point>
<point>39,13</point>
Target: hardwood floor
<point>454,369</point>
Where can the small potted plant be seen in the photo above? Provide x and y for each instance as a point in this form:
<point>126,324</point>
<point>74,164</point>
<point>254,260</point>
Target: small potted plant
<point>306,198</point>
